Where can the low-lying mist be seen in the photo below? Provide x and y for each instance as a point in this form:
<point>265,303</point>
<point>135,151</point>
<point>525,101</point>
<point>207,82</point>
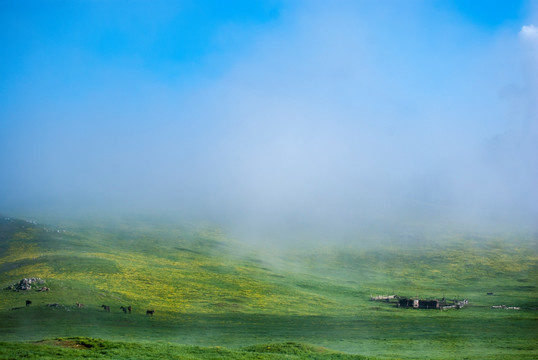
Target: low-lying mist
<point>330,122</point>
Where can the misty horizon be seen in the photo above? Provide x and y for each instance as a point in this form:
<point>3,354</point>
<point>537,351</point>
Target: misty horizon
<point>311,118</point>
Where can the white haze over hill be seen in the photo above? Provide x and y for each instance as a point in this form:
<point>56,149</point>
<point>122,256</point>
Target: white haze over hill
<point>334,117</point>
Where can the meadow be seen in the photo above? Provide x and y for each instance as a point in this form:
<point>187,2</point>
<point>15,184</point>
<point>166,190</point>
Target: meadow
<point>215,297</point>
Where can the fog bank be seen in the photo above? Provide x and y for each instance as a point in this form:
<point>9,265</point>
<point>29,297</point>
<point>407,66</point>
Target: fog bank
<point>322,120</point>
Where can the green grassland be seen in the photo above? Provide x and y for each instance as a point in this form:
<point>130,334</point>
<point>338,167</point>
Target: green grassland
<point>217,298</point>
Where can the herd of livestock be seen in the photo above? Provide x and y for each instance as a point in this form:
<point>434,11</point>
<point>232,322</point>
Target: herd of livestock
<point>106,308</point>
<point>27,284</point>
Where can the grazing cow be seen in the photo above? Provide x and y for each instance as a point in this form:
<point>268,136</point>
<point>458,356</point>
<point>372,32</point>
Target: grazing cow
<point>28,302</point>
<point>150,312</point>
<point>124,309</point>
<point>106,308</point>
<point>129,308</point>
<point>79,305</point>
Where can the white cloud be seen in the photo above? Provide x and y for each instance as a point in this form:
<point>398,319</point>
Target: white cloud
<point>529,32</point>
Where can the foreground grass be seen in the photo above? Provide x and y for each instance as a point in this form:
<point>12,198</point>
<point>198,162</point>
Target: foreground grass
<point>89,348</point>
<point>471,333</point>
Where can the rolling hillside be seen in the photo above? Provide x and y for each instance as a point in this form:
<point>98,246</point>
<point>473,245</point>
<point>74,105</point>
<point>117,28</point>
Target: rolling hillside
<point>208,290</point>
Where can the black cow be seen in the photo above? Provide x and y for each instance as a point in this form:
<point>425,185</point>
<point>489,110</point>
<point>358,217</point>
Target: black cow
<point>28,302</point>
<point>124,309</point>
<point>106,308</point>
<point>129,308</point>
<point>150,312</point>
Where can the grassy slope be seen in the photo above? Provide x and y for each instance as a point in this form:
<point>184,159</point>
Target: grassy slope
<point>206,295</point>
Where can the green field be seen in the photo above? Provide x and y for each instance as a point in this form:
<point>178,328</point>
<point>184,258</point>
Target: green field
<point>218,298</point>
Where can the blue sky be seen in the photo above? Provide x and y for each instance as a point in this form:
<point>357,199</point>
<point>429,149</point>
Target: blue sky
<point>278,112</point>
